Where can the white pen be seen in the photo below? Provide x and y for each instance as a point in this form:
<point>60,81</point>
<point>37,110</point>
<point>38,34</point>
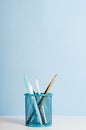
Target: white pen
<point>38,90</point>
<point>30,90</point>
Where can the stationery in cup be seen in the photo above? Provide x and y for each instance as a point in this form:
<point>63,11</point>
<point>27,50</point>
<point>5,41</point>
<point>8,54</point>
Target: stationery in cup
<point>40,113</point>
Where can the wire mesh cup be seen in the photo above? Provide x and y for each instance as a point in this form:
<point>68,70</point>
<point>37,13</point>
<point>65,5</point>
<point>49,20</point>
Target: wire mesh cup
<point>38,109</point>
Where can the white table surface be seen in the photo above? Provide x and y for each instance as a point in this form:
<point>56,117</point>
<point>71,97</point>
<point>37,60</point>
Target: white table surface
<point>59,123</point>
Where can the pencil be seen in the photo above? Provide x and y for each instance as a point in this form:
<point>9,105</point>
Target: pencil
<point>50,84</point>
<point>41,102</point>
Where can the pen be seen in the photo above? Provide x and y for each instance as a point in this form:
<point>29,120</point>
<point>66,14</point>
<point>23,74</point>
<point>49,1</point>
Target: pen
<point>43,111</point>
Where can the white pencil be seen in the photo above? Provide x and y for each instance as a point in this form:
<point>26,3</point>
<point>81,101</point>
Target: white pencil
<point>38,90</point>
<point>30,90</point>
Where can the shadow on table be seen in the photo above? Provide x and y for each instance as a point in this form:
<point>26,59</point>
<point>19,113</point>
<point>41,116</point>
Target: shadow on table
<point>14,120</point>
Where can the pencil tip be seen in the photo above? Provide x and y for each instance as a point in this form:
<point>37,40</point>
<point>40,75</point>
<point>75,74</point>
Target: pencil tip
<point>55,75</point>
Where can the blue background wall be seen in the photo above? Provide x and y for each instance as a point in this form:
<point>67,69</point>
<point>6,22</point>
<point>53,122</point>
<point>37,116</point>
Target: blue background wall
<point>41,38</point>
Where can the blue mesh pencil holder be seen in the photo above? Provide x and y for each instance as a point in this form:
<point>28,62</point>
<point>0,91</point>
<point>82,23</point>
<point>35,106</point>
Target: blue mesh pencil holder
<point>38,109</point>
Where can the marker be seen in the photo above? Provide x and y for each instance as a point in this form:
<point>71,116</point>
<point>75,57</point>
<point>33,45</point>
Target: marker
<point>30,90</point>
